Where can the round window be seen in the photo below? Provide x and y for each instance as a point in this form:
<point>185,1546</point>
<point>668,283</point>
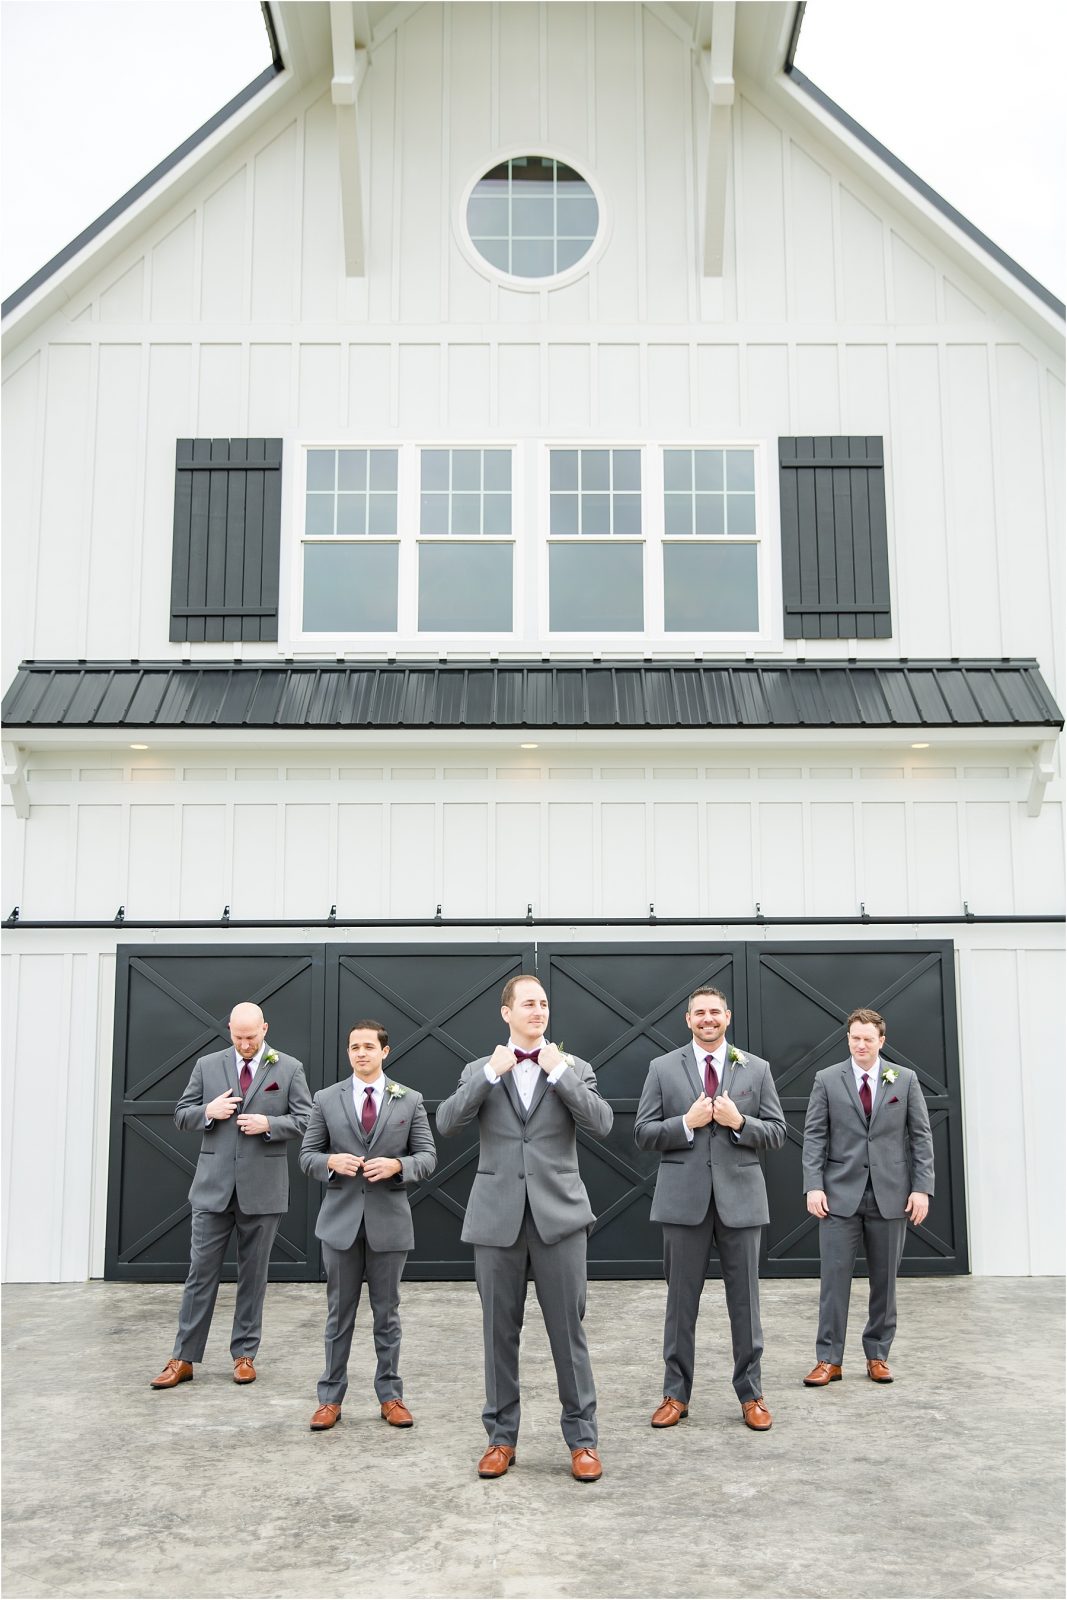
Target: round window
<point>532,217</point>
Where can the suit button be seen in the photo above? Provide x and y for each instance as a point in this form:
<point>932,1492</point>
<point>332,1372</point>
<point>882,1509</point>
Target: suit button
<point>522,1177</point>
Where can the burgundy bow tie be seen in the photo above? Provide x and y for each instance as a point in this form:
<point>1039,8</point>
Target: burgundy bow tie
<point>527,1055</point>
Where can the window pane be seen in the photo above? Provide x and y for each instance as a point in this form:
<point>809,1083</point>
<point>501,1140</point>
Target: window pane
<point>531,218</point>
<point>435,469</point>
<point>595,588</point>
<point>577,217</point>
<point>497,469</point>
<point>569,251</point>
<point>497,514</point>
<point>710,588</point>
<point>740,470</point>
<point>381,516</point>
<point>596,469</point>
<point>466,469</point>
<point>497,252</point>
<point>533,258</point>
<point>677,515</point>
<point>351,469</point>
<point>350,588</point>
<point>488,215</point>
<point>351,514</point>
<point>321,469</point>
<point>564,514</point>
<point>466,514</point>
<point>677,469</point>
<point>383,469</point>
<point>626,469</point>
<point>740,513</point>
<point>596,514</point>
<point>319,517</point>
<point>564,469</point>
<point>627,512</point>
<point>434,518</point>
<point>709,516</point>
<point>708,465</point>
<point>464,588</point>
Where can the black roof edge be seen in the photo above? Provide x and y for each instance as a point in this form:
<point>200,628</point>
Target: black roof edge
<point>106,218</point>
<point>938,201</point>
<point>272,35</point>
<point>794,37</point>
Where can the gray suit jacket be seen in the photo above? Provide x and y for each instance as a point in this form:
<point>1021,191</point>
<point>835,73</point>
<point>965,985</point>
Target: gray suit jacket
<point>402,1132</point>
<point>250,1163</point>
<point>718,1160</point>
<point>526,1155</point>
<point>897,1150</point>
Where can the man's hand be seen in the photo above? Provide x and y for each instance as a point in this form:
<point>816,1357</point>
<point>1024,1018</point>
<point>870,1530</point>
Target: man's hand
<point>379,1167</point>
<point>252,1122</point>
<point>817,1203</point>
<point>344,1165</point>
<point>501,1060</point>
<point>222,1108</point>
<point>700,1113</point>
<point>917,1207</point>
<point>549,1058</point>
<point>725,1112</point>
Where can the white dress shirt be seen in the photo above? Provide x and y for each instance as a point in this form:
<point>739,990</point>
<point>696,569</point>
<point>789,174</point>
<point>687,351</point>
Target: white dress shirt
<point>718,1055</point>
<point>526,1073</point>
<point>253,1067</point>
<point>873,1077</point>
<point>377,1089</point>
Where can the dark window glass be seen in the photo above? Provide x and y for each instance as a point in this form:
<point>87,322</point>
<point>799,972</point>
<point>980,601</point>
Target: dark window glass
<point>596,588</point>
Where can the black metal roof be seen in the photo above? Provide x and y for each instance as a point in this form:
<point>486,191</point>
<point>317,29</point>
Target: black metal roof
<point>530,694</point>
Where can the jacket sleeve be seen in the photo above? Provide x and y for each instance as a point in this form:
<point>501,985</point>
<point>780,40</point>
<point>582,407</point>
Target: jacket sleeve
<point>464,1104</point>
<point>189,1112</point>
<point>653,1131</point>
<point>816,1137</point>
<point>766,1130</point>
<point>577,1088</point>
<point>315,1148</point>
<point>422,1152</point>
<point>291,1125</point>
<point>920,1140</point>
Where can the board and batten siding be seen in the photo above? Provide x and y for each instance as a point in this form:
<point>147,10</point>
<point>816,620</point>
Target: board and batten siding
<point>835,315</point>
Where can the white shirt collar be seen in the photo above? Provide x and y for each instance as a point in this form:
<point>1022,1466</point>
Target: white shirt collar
<point>377,1084</point>
<point>716,1055</point>
<point>254,1062</point>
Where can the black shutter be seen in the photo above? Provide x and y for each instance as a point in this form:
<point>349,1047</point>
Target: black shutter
<point>835,552</point>
<point>227,539</point>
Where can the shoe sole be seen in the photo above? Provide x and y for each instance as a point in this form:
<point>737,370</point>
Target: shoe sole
<point>680,1418</point>
<point>159,1387</point>
<point>585,1479</point>
<point>393,1424</point>
<point>490,1475</point>
<point>879,1380</point>
<point>323,1427</point>
<point>822,1383</point>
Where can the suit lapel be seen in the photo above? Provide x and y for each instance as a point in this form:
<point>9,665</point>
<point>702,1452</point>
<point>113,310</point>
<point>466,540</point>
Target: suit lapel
<point>691,1066</point>
<point>349,1106</point>
<point>388,1103</point>
<point>258,1081</point>
<point>540,1090</point>
<point>230,1069</point>
<point>849,1078</point>
<point>513,1096</point>
<point>883,1092</point>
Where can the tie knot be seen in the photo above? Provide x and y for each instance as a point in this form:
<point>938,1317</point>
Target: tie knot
<point>865,1077</point>
<point>368,1088</point>
<point>528,1055</point>
<point>709,1061</point>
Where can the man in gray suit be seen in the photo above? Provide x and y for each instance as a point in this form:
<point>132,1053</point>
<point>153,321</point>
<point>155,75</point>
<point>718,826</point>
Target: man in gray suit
<point>368,1138</point>
<point>248,1102</point>
<point>529,1213</point>
<point>868,1170</point>
<point>709,1109</point>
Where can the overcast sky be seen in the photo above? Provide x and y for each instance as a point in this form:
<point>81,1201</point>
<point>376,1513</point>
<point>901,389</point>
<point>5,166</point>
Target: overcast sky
<point>967,93</point>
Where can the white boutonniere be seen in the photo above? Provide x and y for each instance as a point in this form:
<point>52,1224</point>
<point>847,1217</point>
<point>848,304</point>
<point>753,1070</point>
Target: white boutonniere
<point>736,1058</point>
<point>890,1075</point>
<point>568,1061</point>
<point>270,1057</point>
<point>396,1091</point>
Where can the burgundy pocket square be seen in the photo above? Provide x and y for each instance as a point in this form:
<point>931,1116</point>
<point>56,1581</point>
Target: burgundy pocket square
<point>269,1087</point>
<point>895,1100</point>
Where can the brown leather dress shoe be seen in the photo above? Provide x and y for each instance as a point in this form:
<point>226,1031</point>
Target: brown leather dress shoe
<point>397,1413</point>
<point>243,1370</point>
<point>756,1414</point>
<point>669,1413</point>
<point>586,1465</point>
<point>822,1373</point>
<point>878,1372</point>
<point>173,1373</point>
<point>325,1417</point>
<point>496,1461</point>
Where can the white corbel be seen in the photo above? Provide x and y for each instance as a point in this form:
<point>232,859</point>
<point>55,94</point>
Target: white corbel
<point>1042,775</point>
<point>15,778</point>
<point>350,60</point>
<point>717,70</point>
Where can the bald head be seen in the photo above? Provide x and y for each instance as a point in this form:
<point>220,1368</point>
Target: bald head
<point>247,1029</point>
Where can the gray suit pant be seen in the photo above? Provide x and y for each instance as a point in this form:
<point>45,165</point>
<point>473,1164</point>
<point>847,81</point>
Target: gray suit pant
<point>559,1275</point>
<point>686,1249</point>
<point>211,1235</point>
<point>883,1245</point>
<point>345,1272</point>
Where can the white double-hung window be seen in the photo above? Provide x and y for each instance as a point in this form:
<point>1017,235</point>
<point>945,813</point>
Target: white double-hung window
<point>465,557</point>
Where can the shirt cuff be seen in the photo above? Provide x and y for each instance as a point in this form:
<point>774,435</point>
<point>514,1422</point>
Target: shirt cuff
<point>490,1075</point>
<point>688,1133</point>
<point>557,1072</point>
<point>268,1134</point>
<point>209,1122</point>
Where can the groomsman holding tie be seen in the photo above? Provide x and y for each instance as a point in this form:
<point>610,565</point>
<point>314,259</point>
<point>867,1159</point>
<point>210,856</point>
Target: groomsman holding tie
<point>247,1101</point>
<point>868,1171</point>
<point>368,1139</point>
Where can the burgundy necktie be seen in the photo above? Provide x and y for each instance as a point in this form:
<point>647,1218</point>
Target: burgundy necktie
<point>711,1078</point>
<point>865,1097</point>
<point>246,1077</point>
<point>369,1114</point>
<point>527,1055</point>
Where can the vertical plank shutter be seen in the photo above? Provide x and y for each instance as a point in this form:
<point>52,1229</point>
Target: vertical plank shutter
<point>227,539</point>
<point>835,550</point>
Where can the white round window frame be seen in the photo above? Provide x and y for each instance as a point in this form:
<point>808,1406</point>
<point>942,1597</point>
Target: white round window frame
<point>509,280</point>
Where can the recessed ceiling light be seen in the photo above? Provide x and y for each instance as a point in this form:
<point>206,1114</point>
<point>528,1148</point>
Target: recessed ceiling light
<point>920,747</point>
<point>138,747</point>
<point>528,747</point>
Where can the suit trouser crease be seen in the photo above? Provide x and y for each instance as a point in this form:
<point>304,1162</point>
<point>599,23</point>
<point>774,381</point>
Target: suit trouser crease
<point>883,1245</point>
<point>211,1232</point>
<point>345,1272</point>
<point>686,1249</point>
<point>559,1275</point>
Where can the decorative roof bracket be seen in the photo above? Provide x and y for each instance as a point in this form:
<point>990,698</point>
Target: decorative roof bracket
<point>1043,774</point>
<point>717,70</point>
<point>349,37</point>
<point>14,773</point>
